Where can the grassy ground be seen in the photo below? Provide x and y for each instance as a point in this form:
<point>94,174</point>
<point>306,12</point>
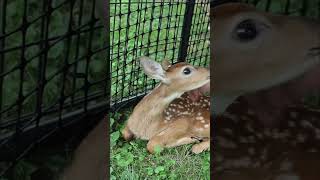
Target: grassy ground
<point>132,161</point>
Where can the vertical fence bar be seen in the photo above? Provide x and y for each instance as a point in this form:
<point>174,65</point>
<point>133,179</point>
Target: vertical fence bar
<point>42,64</point>
<point>304,8</point>
<point>256,2</point>
<point>103,11</point>
<point>87,84</point>
<point>3,7</point>
<point>287,7</point>
<point>77,54</point>
<point>186,28</point>
<point>66,64</point>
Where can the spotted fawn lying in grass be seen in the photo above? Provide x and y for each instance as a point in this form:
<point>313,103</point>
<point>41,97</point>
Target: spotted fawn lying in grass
<point>166,116</point>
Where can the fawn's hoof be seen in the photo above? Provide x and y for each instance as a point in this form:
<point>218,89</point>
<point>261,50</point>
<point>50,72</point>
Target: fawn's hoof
<point>127,134</point>
<point>198,148</point>
<point>150,147</point>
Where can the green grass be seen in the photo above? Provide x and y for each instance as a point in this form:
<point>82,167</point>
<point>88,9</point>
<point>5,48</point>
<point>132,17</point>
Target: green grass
<point>132,161</point>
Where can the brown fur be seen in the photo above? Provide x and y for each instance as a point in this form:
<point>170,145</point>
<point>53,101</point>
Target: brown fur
<point>230,10</point>
<point>281,53</point>
<point>151,120</point>
<point>90,159</point>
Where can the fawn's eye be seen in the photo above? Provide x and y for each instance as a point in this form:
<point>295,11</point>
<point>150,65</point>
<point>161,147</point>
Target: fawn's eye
<point>246,31</point>
<point>187,71</point>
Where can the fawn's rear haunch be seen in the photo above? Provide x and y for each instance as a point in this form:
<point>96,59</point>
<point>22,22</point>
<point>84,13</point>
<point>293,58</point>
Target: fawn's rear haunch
<point>166,116</point>
<point>90,158</point>
<point>255,50</point>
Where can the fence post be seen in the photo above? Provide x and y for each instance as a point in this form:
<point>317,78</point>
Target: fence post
<point>186,28</point>
<point>103,12</point>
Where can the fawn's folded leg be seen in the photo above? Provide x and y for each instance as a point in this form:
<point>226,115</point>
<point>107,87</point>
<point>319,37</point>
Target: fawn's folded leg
<point>127,134</point>
<point>198,148</point>
<point>176,134</point>
<point>90,159</point>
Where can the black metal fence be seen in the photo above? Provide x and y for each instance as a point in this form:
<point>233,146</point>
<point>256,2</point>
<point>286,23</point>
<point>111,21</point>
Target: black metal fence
<point>52,69</point>
<point>171,29</point>
<point>54,60</point>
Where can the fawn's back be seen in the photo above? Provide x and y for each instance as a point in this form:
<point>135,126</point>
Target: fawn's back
<point>197,114</point>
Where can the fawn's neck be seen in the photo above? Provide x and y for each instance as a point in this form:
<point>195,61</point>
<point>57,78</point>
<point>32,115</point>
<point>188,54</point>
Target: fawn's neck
<point>148,114</point>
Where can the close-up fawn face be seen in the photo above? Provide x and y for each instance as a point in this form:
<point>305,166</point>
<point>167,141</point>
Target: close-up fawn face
<point>180,77</point>
<point>265,61</point>
<point>187,77</point>
<point>254,50</point>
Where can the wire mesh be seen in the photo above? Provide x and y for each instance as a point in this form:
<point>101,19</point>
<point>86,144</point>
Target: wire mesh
<point>162,29</point>
<point>52,67</point>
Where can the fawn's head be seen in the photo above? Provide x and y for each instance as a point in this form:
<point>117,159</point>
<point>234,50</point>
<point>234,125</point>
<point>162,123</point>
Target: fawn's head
<point>254,50</point>
<point>180,77</point>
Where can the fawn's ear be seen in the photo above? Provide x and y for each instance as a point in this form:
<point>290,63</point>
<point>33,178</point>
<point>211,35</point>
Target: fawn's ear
<point>165,64</point>
<point>153,69</point>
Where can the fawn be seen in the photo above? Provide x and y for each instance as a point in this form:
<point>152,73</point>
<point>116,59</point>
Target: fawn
<point>255,50</point>
<point>166,116</point>
<point>182,122</point>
